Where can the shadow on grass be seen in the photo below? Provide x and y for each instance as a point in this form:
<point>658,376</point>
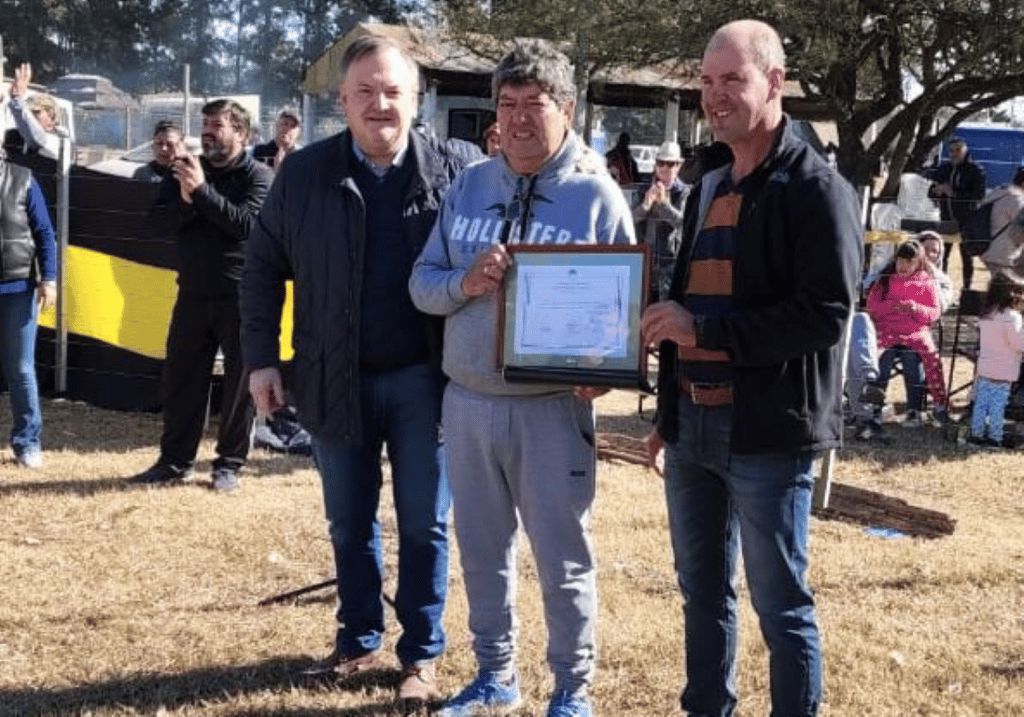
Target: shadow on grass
<point>1010,672</point>
<point>266,463</point>
<point>263,467</point>
<point>906,446</point>
<point>84,488</point>
<point>149,693</point>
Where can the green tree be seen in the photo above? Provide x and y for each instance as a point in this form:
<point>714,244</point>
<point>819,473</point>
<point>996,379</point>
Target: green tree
<point>913,70</point>
<point>595,34</point>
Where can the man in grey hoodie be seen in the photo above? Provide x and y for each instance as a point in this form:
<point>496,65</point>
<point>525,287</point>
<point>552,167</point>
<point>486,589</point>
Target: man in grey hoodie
<point>518,447</point>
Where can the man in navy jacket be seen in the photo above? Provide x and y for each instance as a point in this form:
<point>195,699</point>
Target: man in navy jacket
<point>345,220</point>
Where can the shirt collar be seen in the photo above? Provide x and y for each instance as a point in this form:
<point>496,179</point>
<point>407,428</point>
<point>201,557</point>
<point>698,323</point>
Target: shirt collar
<point>396,161</point>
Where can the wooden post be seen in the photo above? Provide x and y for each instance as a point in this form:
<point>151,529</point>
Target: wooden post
<point>823,483</point>
<point>185,116</point>
<point>672,118</point>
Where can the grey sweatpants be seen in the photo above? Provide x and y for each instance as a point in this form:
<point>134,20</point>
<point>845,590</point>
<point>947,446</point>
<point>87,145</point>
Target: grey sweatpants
<point>534,455</point>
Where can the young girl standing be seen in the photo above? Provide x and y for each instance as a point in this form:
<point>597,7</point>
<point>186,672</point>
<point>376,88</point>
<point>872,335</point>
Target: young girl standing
<point>903,305</point>
<point>1001,334</point>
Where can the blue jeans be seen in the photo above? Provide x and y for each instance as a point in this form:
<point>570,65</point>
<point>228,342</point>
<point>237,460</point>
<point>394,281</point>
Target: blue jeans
<point>18,338</point>
<point>861,362</point>
<point>990,399</point>
<point>720,503</point>
<point>401,408</point>
<point>913,374</point>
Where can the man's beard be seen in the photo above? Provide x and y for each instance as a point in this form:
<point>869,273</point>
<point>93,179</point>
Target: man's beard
<point>215,152</point>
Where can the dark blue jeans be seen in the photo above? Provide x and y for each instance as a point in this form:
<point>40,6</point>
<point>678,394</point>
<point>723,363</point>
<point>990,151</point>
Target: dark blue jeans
<point>18,357</point>
<point>913,374</point>
<point>401,409</point>
<point>721,503</point>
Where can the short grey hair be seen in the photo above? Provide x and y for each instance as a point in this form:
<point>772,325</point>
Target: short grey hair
<point>535,61</point>
<point>766,50</point>
<point>372,44</point>
<point>761,43</point>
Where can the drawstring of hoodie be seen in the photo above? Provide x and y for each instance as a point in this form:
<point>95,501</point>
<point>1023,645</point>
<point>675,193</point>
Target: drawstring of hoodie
<point>519,208</point>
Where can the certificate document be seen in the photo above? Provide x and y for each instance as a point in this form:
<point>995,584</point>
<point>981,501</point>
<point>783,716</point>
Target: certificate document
<point>570,314</point>
<point>575,309</point>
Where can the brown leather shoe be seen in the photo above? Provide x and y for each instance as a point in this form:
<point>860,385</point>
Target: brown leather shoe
<point>419,683</point>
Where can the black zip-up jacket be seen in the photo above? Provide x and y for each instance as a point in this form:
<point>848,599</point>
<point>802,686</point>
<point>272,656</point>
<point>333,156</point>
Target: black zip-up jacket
<point>798,250</point>
<point>968,183</point>
<point>312,230</point>
<point>211,232</point>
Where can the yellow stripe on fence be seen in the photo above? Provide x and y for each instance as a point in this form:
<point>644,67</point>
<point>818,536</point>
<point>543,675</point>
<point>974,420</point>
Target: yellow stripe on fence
<point>128,304</point>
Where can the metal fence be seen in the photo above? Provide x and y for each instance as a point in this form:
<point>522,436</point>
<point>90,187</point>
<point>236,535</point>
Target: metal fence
<point>105,133</point>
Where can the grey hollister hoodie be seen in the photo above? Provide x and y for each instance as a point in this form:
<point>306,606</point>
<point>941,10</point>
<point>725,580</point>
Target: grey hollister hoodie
<point>571,200</point>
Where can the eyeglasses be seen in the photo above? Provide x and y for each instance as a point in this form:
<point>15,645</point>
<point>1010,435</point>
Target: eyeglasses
<point>665,163</point>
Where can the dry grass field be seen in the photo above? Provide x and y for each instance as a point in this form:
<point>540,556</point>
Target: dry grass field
<point>119,600</point>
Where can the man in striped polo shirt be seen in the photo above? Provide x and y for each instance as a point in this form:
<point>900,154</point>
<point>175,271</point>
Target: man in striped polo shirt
<point>749,387</point>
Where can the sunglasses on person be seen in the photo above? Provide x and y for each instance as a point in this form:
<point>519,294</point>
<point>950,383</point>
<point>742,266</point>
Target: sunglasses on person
<point>665,163</point>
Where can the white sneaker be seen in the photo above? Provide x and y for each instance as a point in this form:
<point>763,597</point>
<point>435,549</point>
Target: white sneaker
<point>32,458</point>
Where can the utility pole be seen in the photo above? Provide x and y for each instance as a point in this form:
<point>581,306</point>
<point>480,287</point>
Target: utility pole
<point>185,123</point>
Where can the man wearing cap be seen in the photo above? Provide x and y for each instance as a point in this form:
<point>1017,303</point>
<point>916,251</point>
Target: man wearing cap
<point>286,136</point>
<point>660,215</point>
<point>957,186</point>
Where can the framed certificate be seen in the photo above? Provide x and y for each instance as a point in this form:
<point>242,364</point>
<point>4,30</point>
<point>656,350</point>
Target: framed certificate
<point>570,313</point>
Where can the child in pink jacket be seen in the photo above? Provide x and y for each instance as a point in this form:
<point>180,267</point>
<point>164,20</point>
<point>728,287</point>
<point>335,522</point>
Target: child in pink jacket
<point>1001,331</point>
<point>903,305</point>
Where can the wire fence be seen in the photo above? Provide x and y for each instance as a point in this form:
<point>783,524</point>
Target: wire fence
<point>106,133</point>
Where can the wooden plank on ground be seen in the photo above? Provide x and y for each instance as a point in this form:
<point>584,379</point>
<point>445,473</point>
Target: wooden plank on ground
<point>865,507</point>
<point>846,503</point>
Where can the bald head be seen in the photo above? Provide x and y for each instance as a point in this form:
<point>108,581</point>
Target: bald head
<point>742,77</point>
<point>757,40</point>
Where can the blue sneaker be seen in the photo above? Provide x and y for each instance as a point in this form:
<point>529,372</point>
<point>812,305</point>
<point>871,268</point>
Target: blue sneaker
<point>567,704</point>
<point>484,695</point>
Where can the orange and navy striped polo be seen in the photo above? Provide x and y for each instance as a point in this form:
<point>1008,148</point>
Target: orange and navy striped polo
<point>708,290</point>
